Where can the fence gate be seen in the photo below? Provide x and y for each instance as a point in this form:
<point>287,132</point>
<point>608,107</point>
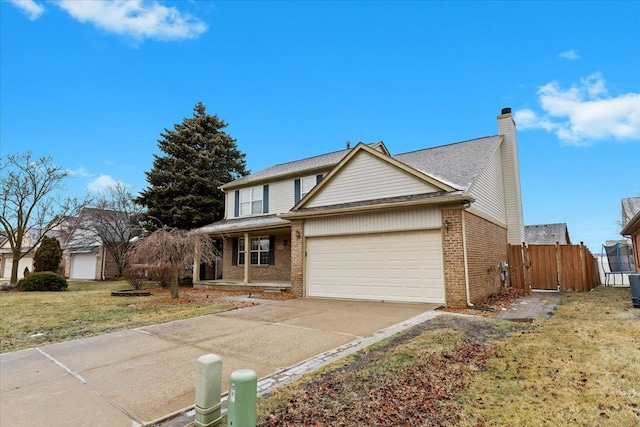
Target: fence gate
<point>553,267</point>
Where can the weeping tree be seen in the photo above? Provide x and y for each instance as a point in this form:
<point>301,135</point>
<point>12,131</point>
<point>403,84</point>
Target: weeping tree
<point>175,247</point>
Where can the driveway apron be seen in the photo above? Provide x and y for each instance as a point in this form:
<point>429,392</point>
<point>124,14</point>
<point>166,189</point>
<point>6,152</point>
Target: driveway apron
<point>139,376</point>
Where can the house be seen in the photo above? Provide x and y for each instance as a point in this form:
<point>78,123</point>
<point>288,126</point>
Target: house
<point>85,252</point>
<point>547,234</point>
<point>631,225</point>
<point>431,225</point>
<point>6,257</point>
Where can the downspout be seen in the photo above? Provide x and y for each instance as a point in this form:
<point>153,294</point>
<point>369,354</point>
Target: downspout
<point>464,255</point>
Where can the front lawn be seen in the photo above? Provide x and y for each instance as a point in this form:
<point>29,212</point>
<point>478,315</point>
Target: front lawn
<point>579,368</point>
<point>31,319</point>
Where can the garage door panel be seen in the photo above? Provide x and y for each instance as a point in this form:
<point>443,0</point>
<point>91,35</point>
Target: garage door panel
<point>83,266</point>
<point>405,266</point>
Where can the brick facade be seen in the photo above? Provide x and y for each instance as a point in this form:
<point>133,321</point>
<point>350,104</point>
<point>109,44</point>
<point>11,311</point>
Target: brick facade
<point>297,257</point>
<point>280,271</point>
<point>453,258</point>
<point>486,247</point>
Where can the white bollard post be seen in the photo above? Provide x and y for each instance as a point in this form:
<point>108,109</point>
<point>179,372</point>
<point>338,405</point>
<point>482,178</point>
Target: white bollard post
<point>208,390</point>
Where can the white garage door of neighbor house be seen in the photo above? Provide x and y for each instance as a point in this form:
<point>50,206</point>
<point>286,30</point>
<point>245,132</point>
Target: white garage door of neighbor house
<point>24,262</point>
<point>403,266</point>
<point>83,266</point>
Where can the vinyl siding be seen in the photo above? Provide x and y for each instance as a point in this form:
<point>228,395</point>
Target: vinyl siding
<point>488,190</point>
<point>419,218</point>
<point>367,178</point>
<point>281,196</point>
<point>511,173</point>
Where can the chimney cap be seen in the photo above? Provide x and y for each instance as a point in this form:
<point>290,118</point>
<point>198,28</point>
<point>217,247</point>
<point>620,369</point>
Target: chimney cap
<point>506,110</point>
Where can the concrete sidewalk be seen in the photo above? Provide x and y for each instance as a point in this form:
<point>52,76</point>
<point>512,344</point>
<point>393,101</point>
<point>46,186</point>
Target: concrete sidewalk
<point>141,376</point>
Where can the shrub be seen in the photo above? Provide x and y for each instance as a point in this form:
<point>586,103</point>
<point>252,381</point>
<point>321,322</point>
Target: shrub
<point>137,276</point>
<point>161,274</point>
<point>48,255</point>
<point>43,281</point>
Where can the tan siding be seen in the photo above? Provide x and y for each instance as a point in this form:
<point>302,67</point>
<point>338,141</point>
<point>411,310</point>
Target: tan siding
<point>367,178</point>
<point>384,221</point>
<point>488,190</point>
<point>281,196</point>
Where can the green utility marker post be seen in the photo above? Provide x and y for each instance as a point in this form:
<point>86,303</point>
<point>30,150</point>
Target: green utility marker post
<point>208,386</point>
<point>241,404</point>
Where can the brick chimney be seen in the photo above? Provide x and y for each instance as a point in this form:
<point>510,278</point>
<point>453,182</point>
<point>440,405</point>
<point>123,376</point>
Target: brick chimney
<point>511,177</point>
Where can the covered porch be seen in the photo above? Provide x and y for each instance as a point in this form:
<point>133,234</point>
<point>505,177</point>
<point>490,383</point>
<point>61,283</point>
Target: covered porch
<point>256,252</point>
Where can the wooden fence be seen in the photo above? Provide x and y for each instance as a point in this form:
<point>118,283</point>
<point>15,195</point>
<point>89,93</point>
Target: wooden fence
<point>553,267</point>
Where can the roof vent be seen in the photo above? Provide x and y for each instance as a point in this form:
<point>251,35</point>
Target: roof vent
<point>506,110</point>
<point>348,145</point>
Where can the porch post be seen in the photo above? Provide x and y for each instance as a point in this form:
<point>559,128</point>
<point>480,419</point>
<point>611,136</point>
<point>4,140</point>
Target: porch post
<point>247,259</point>
<point>196,263</point>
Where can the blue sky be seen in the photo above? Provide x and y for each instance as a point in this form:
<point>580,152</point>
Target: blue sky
<point>93,84</point>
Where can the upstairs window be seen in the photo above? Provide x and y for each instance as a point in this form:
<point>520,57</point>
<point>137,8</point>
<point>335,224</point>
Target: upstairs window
<point>306,184</point>
<point>251,201</point>
<point>302,186</point>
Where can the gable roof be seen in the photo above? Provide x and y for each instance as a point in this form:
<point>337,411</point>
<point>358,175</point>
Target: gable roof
<point>630,207</point>
<point>456,164</point>
<point>547,234</point>
<point>382,157</point>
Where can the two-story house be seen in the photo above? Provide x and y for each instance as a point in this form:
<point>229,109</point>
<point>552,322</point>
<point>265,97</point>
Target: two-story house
<point>431,225</point>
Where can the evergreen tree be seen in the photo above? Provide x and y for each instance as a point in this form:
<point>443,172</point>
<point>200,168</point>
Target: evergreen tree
<point>48,255</point>
<point>183,183</point>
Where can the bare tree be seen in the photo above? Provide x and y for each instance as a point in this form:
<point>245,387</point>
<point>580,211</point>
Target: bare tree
<point>178,248</point>
<point>112,222</point>
<point>31,205</point>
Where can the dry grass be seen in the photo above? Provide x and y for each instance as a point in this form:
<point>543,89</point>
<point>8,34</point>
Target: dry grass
<point>87,308</point>
<point>580,368</point>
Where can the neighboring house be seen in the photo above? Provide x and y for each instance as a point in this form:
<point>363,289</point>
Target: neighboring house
<point>6,257</point>
<point>430,225</point>
<point>631,225</point>
<point>547,234</point>
<point>85,256</point>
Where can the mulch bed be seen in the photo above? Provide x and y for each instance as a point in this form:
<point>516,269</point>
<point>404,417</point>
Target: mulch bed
<point>188,295</point>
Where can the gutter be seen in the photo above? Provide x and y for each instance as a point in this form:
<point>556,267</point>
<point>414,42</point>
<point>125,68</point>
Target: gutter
<point>442,200</point>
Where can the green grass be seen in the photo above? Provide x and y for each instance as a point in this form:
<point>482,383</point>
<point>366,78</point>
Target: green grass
<point>31,319</point>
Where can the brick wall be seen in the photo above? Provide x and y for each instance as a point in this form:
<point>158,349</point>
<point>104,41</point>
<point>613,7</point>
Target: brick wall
<point>486,247</point>
<point>297,258</point>
<point>453,258</point>
<point>280,271</point>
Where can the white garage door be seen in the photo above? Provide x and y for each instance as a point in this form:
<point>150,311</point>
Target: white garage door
<point>24,262</point>
<point>405,266</point>
<point>83,266</point>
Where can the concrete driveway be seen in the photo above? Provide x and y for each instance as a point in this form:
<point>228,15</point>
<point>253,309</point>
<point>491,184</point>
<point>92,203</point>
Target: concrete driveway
<point>141,376</point>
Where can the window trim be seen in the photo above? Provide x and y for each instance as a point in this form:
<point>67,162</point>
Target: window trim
<point>241,258</point>
<point>256,194</point>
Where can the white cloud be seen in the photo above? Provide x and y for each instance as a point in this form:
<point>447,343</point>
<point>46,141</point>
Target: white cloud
<point>584,113</point>
<point>101,183</point>
<point>139,19</point>
<point>32,9</point>
<point>79,172</point>
<point>569,54</point>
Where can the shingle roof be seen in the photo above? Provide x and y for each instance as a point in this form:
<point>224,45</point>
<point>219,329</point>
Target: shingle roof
<point>455,164</point>
<point>547,234</point>
<point>241,224</point>
<point>325,160</point>
<point>630,207</point>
